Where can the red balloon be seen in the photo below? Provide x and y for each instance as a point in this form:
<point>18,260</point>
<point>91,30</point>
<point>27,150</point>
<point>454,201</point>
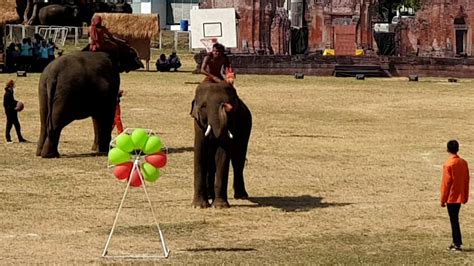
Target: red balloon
<point>122,171</point>
<point>136,181</point>
<point>158,160</point>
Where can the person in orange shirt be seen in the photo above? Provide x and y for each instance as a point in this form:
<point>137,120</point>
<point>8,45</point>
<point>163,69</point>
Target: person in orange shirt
<point>454,190</point>
<point>118,114</point>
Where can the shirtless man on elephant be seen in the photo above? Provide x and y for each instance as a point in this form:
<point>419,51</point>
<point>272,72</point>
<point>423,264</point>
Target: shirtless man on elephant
<point>216,66</point>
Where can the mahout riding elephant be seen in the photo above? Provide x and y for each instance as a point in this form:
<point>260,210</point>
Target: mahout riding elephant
<point>80,85</point>
<point>60,15</point>
<point>222,125</point>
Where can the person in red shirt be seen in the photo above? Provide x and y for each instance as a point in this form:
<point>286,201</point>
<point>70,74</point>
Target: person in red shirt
<point>454,190</point>
<point>101,38</point>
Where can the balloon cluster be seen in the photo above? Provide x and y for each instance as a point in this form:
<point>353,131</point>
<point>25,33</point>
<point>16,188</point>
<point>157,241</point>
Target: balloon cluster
<point>141,147</point>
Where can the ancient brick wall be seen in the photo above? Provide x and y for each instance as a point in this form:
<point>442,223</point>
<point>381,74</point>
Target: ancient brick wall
<point>440,29</point>
<point>264,24</point>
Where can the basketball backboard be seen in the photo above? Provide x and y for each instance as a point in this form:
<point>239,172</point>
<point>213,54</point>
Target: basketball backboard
<point>214,23</point>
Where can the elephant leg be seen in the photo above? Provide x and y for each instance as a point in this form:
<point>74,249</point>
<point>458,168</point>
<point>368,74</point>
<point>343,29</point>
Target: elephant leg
<point>211,177</point>
<point>238,163</point>
<point>201,164</point>
<point>104,133</point>
<point>50,148</point>
<point>41,140</point>
<point>222,178</point>
<point>95,144</point>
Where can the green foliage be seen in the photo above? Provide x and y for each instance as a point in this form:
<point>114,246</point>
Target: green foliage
<point>415,4</point>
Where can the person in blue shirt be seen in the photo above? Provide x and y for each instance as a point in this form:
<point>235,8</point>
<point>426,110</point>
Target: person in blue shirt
<point>51,47</point>
<point>43,56</point>
<point>26,55</point>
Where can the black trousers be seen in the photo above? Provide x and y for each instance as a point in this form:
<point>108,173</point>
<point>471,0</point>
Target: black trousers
<point>12,120</point>
<point>453,211</point>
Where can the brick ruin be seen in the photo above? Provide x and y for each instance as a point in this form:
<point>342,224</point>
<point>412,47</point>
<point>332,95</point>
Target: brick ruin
<point>437,41</point>
<point>343,25</point>
<point>439,29</point>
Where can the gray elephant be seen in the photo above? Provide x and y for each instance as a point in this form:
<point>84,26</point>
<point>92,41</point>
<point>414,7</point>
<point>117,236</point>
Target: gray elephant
<point>222,125</point>
<point>80,85</point>
<point>60,15</point>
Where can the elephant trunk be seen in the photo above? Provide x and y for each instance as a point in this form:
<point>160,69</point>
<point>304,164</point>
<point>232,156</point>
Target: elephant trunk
<point>218,121</point>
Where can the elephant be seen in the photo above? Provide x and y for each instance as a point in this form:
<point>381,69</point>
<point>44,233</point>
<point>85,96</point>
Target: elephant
<point>222,125</point>
<point>80,85</point>
<point>60,15</point>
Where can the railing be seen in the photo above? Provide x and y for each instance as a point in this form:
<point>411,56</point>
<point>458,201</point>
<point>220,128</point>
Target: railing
<point>166,40</point>
<point>59,34</point>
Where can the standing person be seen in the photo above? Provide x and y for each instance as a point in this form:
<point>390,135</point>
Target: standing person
<point>454,190</point>
<point>118,114</point>
<point>11,110</point>
<point>51,47</point>
<point>215,64</point>
<point>43,55</point>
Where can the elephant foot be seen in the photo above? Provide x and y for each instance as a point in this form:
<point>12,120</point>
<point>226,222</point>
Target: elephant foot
<point>241,195</point>
<point>50,154</point>
<point>201,203</point>
<point>95,147</point>
<point>211,196</point>
<point>220,204</point>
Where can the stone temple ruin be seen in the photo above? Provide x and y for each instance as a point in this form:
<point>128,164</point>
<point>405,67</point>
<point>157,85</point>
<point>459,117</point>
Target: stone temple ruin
<point>433,41</point>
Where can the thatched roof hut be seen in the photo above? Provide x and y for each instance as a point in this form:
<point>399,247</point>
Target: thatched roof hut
<point>8,12</point>
<point>136,29</point>
<point>138,26</point>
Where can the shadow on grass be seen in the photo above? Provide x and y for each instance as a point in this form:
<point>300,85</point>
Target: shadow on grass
<point>294,204</point>
<point>83,155</point>
<point>220,249</point>
<point>180,150</point>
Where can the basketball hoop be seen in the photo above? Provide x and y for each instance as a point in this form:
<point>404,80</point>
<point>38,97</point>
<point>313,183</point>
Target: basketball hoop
<point>208,43</point>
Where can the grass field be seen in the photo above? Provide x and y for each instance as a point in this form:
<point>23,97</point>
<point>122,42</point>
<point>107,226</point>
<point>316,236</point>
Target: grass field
<point>339,171</point>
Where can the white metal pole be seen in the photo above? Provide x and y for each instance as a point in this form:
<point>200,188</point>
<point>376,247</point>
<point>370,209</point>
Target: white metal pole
<point>162,238</point>
<point>135,168</point>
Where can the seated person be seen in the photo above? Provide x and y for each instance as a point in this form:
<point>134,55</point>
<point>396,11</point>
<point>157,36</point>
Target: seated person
<point>102,39</point>
<point>216,65</point>
<point>162,64</point>
<point>174,61</point>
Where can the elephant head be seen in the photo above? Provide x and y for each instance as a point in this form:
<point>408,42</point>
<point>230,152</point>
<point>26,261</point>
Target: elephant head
<point>213,107</point>
<point>128,57</point>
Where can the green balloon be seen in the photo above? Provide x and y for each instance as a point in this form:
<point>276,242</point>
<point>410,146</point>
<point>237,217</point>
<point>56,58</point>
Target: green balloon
<point>118,156</point>
<point>149,172</point>
<point>125,143</point>
<point>153,145</point>
<point>139,138</point>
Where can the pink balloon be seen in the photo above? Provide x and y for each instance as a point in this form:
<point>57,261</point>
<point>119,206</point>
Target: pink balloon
<point>158,160</point>
<point>122,171</point>
<point>136,181</point>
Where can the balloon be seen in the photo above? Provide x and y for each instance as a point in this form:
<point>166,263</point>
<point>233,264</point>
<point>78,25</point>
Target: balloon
<point>139,138</point>
<point>136,181</point>
<point>125,143</point>
<point>150,173</point>
<point>118,156</point>
<point>152,145</point>
<point>157,160</point>
<point>122,171</point>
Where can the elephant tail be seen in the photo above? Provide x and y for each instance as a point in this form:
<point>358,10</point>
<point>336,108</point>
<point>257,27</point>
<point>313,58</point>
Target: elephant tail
<point>51,91</point>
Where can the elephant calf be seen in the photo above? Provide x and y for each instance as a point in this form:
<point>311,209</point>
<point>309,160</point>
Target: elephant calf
<point>222,125</point>
<point>77,86</point>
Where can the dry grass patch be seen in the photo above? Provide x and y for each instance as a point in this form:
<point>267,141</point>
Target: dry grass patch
<point>339,171</point>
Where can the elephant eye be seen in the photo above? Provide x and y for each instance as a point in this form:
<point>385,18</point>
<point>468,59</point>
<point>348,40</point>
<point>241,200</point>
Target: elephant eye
<point>203,105</point>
